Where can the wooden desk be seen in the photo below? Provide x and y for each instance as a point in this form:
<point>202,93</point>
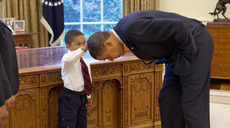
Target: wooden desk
<point>23,38</point>
<point>124,94</point>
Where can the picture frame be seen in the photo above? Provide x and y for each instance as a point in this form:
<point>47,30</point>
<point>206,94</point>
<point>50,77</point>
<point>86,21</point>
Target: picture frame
<point>10,22</point>
<point>19,25</point>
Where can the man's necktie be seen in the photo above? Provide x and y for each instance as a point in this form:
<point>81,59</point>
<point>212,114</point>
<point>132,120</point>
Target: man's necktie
<point>87,81</point>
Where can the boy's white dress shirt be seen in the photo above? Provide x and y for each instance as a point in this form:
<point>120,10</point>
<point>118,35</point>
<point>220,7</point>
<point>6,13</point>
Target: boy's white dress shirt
<point>71,70</point>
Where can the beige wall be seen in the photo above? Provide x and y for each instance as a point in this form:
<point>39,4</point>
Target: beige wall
<point>198,9</point>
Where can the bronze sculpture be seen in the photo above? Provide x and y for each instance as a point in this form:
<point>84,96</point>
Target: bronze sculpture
<point>220,7</point>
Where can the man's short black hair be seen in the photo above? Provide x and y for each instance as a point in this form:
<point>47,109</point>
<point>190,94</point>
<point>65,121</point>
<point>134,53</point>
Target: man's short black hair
<point>71,34</point>
<point>96,43</point>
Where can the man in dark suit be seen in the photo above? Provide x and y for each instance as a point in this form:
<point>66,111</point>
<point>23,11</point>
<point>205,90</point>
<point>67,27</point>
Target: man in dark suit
<point>9,80</point>
<point>187,47</point>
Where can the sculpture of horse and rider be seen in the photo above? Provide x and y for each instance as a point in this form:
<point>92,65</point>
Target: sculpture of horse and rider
<point>220,7</point>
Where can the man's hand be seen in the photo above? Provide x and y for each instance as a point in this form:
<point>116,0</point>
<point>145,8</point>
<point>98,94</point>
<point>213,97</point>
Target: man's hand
<point>3,115</point>
<point>10,102</point>
<point>89,104</point>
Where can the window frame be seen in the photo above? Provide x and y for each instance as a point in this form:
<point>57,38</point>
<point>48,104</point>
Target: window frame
<point>81,23</point>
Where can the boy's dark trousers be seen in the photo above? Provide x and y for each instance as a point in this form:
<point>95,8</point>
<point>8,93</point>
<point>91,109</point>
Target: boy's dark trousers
<point>72,112</point>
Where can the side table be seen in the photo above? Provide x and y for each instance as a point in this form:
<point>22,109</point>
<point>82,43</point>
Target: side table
<point>23,38</point>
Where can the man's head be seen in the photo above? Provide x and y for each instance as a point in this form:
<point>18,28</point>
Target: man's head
<point>105,45</point>
<point>74,40</point>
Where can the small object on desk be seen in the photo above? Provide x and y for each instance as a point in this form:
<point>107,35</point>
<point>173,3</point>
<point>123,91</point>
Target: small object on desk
<point>220,7</point>
<point>19,25</point>
<point>20,48</point>
<point>10,23</point>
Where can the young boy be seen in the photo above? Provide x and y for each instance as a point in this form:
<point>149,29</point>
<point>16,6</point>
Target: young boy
<point>72,100</point>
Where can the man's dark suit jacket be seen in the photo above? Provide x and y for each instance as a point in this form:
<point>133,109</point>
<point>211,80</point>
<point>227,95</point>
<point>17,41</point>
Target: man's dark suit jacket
<point>9,79</point>
<point>153,35</point>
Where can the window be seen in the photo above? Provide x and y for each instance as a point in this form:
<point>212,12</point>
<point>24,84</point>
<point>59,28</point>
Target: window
<point>90,16</point>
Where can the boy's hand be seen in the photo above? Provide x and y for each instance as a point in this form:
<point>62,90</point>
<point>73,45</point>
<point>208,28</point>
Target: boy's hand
<point>85,48</point>
<point>89,104</point>
<point>86,45</point>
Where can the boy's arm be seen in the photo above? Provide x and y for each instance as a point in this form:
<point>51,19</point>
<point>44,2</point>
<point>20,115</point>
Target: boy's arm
<point>88,96</point>
<point>89,104</point>
<point>89,69</point>
<point>75,56</point>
